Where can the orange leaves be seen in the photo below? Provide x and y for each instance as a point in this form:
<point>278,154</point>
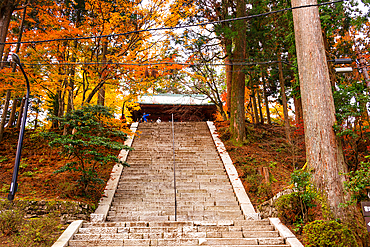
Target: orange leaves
<point>12,81</point>
<point>97,62</point>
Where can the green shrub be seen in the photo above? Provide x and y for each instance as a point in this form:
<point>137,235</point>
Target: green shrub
<point>296,208</point>
<point>86,140</point>
<point>327,234</point>
<point>39,232</point>
<point>11,218</point>
<point>289,208</point>
<point>11,221</point>
<point>357,182</point>
<point>303,186</point>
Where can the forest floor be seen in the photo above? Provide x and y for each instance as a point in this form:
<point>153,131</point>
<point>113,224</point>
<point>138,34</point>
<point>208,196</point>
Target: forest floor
<point>37,178</point>
<point>38,181</point>
<point>264,162</point>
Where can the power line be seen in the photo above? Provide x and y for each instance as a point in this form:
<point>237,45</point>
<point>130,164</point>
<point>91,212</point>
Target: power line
<point>151,64</point>
<point>172,28</point>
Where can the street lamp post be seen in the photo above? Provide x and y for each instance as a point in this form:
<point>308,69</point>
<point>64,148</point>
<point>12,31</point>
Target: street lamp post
<point>14,184</point>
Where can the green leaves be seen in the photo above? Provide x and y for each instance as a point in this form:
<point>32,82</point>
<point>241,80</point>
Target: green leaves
<point>87,143</point>
<point>328,233</point>
<point>357,182</point>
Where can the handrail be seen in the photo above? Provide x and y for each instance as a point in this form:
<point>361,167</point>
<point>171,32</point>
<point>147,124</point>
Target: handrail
<point>174,166</point>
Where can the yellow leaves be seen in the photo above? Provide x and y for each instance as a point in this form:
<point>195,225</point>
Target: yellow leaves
<point>115,124</point>
<point>129,108</point>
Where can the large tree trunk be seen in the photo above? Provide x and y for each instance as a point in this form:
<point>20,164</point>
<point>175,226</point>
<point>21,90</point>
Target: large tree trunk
<point>237,113</point>
<point>229,79</point>
<point>323,151</point>
<point>285,103</point>
<point>6,10</point>
<point>228,49</point>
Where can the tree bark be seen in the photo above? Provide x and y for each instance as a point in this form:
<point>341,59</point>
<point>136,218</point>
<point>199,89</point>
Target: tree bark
<point>260,106</point>
<point>70,104</point>
<point>332,76</point>
<point>363,66</point>
<point>237,113</point>
<point>298,109</point>
<point>6,10</point>
<point>4,32</point>
<point>37,107</point>
<point>254,105</point>
<point>266,100</point>
<point>283,97</point>
<point>17,49</point>
<point>101,93</point>
<point>323,151</point>
<point>229,79</point>
<point>20,113</point>
<point>61,104</point>
<point>228,49</point>
<point>12,113</point>
<point>5,111</point>
<point>252,113</point>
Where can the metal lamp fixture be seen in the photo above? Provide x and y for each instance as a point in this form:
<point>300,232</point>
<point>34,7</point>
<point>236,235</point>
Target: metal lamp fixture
<point>343,70</point>
<point>342,61</point>
<point>14,184</point>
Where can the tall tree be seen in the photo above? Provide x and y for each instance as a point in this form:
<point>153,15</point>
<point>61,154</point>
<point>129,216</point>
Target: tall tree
<point>323,151</point>
<point>284,99</point>
<point>237,111</point>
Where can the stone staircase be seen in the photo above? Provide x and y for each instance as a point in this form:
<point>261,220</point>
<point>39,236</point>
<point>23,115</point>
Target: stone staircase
<point>142,211</point>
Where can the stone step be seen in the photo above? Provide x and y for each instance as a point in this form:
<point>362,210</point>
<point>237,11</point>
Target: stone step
<point>210,187</point>
<point>208,213</point>
<point>179,242</point>
<point>195,245</point>
<point>187,204</point>
<point>168,174</point>
<point>205,213</point>
<point>169,232</point>
<point>162,166</point>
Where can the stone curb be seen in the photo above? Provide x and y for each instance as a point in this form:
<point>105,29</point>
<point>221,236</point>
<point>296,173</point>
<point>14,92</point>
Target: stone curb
<point>68,233</point>
<point>285,233</point>
<point>101,212</point>
<point>241,195</point>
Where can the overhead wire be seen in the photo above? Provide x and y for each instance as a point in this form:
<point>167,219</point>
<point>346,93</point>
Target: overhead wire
<point>172,28</point>
<point>152,64</point>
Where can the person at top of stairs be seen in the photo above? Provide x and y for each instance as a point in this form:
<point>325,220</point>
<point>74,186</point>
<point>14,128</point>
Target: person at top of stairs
<point>145,117</point>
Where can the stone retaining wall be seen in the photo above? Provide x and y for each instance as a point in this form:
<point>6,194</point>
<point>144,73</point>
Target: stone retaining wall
<point>268,208</point>
<point>68,211</point>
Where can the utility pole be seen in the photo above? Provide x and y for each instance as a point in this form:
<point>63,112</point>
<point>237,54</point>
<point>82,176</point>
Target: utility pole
<point>323,151</point>
<point>363,67</point>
